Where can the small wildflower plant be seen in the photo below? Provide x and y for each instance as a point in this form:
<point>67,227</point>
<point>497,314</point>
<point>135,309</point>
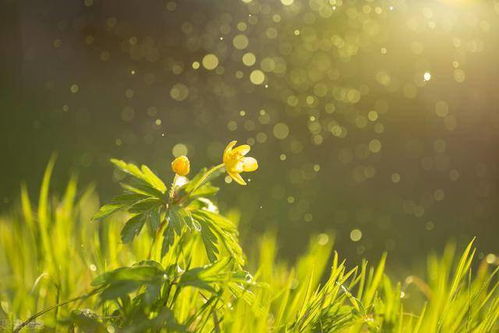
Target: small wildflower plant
<point>180,218</point>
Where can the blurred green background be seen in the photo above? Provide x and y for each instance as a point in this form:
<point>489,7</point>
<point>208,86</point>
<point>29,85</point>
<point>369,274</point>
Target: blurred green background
<point>375,120</point>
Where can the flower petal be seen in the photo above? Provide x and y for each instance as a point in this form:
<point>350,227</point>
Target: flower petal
<point>228,150</point>
<point>242,150</point>
<point>237,178</point>
<point>238,166</point>
<point>250,164</point>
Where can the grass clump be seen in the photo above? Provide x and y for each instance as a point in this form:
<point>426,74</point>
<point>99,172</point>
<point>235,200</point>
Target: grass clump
<point>176,266</point>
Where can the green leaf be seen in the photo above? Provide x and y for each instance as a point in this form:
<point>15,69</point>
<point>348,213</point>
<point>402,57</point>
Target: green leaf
<point>119,289</point>
<point>152,179</point>
<point>145,205</point>
<point>87,321</point>
<point>107,210</point>
<point>176,219</point>
<point>213,275</point>
<point>194,182</point>
<point>204,191</point>
<point>197,181</point>
<point>129,168</point>
<point>164,320</point>
<point>216,229</point>
<point>150,263</point>
<point>139,273</point>
<point>132,228</point>
<point>168,239</point>
<point>144,174</point>
<point>154,219</point>
<point>143,189</point>
<point>128,198</point>
<point>210,240</point>
<point>219,220</point>
<point>152,293</point>
<point>183,217</point>
<point>117,203</point>
<point>201,277</point>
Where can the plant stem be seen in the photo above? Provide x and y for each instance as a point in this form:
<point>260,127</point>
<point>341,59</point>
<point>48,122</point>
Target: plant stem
<point>41,313</point>
<point>171,195</point>
<point>172,188</point>
<point>208,174</point>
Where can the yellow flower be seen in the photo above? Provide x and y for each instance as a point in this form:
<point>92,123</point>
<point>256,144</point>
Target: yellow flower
<point>181,166</point>
<point>235,161</point>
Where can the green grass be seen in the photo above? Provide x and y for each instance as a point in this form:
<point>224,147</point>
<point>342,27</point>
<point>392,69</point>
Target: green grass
<point>176,265</point>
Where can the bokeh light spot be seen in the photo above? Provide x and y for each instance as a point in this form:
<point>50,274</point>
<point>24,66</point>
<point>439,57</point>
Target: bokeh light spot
<point>249,59</point>
<point>459,75</point>
<point>179,92</point>
<point>74,88</point>
<point>355,235</point>
<point>441,109</point>
<point>257,77</point>
<point>375,146</point>
<point>281,131</point>
<point>240,42</point>
<point>179,149</point>
<point>395,177</point>
<point>210,61</point>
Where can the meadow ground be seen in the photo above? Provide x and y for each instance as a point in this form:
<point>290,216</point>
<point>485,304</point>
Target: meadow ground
<point>65,267</point>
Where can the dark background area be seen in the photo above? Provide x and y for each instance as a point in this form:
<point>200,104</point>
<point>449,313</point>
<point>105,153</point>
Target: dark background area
<point>349,131</point>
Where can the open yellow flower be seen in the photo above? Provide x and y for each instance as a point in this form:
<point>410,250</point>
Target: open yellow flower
<point>235,161</point>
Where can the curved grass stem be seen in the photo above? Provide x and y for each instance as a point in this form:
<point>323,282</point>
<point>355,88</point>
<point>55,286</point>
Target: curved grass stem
<point>41,313</point>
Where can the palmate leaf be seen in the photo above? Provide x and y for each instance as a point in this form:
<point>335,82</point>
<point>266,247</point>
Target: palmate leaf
<point>210,241</point>
<point>221,274</point>
<point>168,240</point>
<point>119,289</point>
<point>145,205</point>
<point>201,277</point>
<point>128,198</point>
<point>144,272</point>
<point>146,210</point>
<point>218,232</point>
<point>119,202</point>
<point>132,228</point>
<point>177,219</point>
<point>124,280</point>
<point>143,189</point>
<point>107,210</point>
<point>165,319</point>
<point>151,178</point>
<point>154,217</point>
<point>87,321</point>
<point>143,174</point>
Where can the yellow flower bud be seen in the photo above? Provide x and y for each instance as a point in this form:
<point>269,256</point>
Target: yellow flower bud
<point>181,166</point>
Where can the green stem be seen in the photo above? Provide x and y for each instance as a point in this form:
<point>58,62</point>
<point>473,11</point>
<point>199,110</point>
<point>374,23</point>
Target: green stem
<point>41,313</point>
<point>208,174</point>
<point>171,195</point>
<point>172,188</point>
